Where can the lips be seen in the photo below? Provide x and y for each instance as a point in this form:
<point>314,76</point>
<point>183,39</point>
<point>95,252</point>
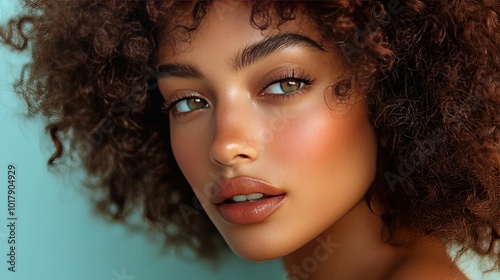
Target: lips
<point>227,188</point>
<point>246,200</point>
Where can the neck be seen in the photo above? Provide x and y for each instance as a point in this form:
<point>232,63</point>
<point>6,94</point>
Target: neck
<point>346,250</point>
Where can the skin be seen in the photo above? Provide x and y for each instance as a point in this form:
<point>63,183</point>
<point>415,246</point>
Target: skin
<point>320,151</point>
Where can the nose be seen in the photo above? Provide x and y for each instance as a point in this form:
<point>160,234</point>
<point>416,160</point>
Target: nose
<point>235,135</point>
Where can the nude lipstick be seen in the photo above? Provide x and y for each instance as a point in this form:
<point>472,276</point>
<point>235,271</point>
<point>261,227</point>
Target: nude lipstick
<point>244,200</point>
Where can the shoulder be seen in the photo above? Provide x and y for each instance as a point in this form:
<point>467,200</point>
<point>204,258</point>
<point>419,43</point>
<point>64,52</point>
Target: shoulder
<point>428,260</point>
<point>418,270</point>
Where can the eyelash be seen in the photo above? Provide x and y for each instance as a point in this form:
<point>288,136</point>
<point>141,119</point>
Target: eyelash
<point>168,105</point>
<point>301,78</point>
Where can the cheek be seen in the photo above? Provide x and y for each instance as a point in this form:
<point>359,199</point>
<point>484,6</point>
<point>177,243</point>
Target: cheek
<point>190,148</point>
<point>323,145</point>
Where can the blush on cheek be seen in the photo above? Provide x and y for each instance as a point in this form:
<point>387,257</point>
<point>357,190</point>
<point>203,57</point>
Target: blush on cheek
<point>304,138</point>
<point>319,139</point>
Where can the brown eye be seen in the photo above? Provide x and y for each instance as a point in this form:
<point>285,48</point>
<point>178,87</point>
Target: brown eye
<point>285,86</point>
<point>190,104</point>
<point>290,85</point>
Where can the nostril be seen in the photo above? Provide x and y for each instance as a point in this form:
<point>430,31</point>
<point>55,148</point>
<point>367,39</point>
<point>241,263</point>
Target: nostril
<point>232,161</point>
<point>228,151</point>
<point>243,156</point>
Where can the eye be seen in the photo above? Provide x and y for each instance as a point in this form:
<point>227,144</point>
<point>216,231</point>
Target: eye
<point>189,104</point>
<point>285,86</point>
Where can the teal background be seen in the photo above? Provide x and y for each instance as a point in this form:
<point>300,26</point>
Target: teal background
<point>58,234</point>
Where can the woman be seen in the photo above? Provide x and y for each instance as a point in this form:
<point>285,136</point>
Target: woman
<point>354,139</point>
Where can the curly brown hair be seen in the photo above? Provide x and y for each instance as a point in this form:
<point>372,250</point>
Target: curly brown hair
<point>430,70</point>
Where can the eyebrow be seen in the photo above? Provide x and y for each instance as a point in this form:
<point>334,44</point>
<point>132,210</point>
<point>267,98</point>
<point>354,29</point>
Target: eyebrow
<point>180,70</point>
<point>271,45</point>
<point>246,57</point>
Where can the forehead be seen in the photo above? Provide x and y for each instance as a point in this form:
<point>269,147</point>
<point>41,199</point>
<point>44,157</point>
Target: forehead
<point>227,26</point>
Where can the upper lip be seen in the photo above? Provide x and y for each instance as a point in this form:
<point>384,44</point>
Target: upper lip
<point>226,188</point>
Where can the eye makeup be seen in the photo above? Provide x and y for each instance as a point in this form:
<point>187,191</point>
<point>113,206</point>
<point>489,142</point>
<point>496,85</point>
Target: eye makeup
<point>291,83</point>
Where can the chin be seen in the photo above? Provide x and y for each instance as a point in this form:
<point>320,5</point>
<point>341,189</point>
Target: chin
<point>255,253</point>
<point>259,248</point>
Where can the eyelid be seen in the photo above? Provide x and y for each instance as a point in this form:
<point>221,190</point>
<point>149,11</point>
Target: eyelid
<point>172,100</point>
<point>287,74</point>
<point>279,76</point>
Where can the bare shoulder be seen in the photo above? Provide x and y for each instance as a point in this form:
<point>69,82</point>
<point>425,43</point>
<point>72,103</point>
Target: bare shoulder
<point>428,261</point>
<point>415,270</point>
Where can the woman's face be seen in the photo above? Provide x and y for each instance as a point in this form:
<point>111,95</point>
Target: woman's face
<point>274,158</point>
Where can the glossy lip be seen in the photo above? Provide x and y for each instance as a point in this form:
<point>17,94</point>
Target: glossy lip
<point>226,188</point>
<point>249,212</point>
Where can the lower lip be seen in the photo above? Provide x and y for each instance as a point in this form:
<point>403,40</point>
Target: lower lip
<point>244,213</point>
